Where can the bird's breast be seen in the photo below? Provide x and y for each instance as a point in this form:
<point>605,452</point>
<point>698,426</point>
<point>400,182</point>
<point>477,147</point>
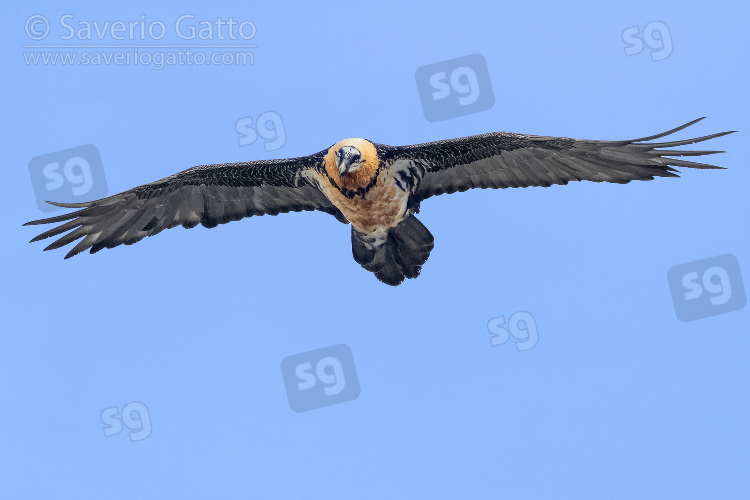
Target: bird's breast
<point>381,207</point>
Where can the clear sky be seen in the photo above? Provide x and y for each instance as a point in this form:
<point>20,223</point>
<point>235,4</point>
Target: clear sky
<point>580,341</point>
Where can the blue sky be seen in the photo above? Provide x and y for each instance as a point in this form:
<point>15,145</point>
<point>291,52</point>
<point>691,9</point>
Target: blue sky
<point>616,398</point>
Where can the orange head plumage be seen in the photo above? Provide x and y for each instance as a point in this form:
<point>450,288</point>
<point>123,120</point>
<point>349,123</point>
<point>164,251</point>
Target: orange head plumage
<point>352,163</point>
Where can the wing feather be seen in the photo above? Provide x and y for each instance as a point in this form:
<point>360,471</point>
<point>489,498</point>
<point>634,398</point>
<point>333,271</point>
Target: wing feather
<point>208,194</point>
<point>507,160</point>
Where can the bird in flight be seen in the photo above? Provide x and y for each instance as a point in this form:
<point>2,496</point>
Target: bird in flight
<point>375,188</point>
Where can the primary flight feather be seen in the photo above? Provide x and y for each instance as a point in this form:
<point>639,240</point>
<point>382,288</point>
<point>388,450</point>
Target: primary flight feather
<point>375,188</point>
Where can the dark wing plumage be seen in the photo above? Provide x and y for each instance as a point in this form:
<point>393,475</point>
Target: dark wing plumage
<point>207,194</point>
<point>503,160</point>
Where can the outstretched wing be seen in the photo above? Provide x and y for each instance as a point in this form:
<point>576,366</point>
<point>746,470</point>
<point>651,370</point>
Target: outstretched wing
<point>207,194</point>
<point>503,160</point>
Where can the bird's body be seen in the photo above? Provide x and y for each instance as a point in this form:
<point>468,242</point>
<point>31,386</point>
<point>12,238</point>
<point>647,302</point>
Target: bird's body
<point>371,199</point>
<point>380,207</point>
<point>376,188</point>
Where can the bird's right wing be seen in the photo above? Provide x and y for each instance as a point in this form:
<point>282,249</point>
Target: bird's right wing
<point>207,194</point>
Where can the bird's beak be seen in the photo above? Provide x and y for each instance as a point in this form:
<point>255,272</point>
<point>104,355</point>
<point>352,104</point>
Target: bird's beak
<point>345,163</point>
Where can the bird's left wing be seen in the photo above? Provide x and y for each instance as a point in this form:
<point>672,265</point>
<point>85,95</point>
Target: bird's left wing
<point>207,194</point>
<point>503,160</point>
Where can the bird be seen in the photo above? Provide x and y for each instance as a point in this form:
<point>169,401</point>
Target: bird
<point>376,188</point>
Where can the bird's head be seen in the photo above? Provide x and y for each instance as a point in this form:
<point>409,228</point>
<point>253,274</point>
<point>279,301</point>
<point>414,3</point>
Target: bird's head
<point>348,160</point>
<point>352,163</point>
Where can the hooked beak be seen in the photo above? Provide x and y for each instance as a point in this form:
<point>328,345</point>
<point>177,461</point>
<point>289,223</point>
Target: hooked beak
<point>345,164</point>
<point>346,158</point>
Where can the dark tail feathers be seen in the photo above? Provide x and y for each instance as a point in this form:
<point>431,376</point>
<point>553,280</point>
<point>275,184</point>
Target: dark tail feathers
<point>400,255</point>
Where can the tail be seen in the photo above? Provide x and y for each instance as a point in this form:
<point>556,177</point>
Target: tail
<point>398,255</point>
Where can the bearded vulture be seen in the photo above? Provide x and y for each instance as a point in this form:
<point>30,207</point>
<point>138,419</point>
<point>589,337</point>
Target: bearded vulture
<point>375,188</point>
